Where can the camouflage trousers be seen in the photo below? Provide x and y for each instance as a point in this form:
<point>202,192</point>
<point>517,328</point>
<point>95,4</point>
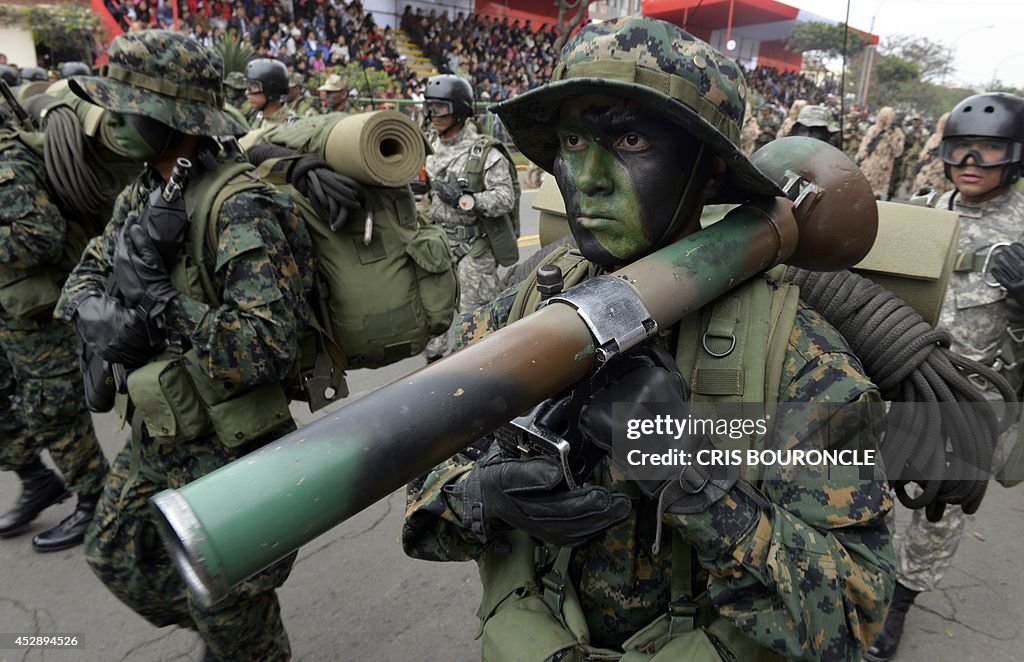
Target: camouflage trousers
<point>124,550</point>
<point>478,285</point>
<point>42,405</point>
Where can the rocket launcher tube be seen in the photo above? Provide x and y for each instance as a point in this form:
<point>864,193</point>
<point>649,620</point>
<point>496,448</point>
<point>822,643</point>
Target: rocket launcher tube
<point>228,525</point>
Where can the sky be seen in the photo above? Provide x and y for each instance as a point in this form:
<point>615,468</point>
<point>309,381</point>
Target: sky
<point>987,34</point>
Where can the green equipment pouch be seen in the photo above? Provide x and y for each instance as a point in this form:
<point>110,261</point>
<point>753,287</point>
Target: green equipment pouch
<point>502,231</point>
<point>29,292</point>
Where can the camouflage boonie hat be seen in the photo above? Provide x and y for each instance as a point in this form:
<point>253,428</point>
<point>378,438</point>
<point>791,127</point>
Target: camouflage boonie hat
<point>661,66</point>
<point>296,79</point>
<point>235,80</point>
<point>818,116</point>
<point>166,76</point>
<point>334,83</point>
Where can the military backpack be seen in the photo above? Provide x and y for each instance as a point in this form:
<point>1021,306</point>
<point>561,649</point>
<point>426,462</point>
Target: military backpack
<point>383,287</point>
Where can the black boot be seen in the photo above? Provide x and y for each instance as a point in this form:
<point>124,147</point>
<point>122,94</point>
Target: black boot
<point>40,488</point>
<point>71,531</point>
<point>888,640</point>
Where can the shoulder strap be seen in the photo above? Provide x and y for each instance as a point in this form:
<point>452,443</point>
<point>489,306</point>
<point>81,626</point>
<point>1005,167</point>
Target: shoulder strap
<point>203,200</point>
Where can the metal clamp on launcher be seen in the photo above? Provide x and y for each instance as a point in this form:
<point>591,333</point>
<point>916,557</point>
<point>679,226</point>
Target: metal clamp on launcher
<point>618,320</point>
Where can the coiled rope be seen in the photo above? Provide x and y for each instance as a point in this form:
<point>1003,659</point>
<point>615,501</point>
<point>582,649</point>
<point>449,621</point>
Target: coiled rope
<point>931,428</point>
<point>79,177</point>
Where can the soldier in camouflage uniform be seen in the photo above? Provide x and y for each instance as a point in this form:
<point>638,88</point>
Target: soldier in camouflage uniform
<point>163,327</point>
<point>299,103</point>
<point>852,134</point>
<point>904,168</point>
<point>931,169</point>
<point>750,132</point>
<point>449,103</point>
<point>796,569</point>
<point>817,122</point>
<point>981,153</point>
<point>43,222</point>
<point>882,144</point>
<point>769,124</point>
<point>266,86</point>
<point>335,91</point>
<point>234,91</point>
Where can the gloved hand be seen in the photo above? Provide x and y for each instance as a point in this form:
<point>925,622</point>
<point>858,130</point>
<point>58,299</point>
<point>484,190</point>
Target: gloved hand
<point>142,279</point>
<point>529,494</point>
<point>1009,271</point>
<point>116,333</point>
<point>650,375</point>
<point>449,190</point>
<point>334,196</point>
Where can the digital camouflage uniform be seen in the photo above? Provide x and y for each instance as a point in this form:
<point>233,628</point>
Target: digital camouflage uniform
<point>882,144</point>
<point>262,270</point>
<point>852,135</point>
<point>477,267</point>
<point>808,578</point>
<point>41,385</point>
<point>280,116</point>
<point>975,313</point>
<point>931,173</point>
<point>769,122</point>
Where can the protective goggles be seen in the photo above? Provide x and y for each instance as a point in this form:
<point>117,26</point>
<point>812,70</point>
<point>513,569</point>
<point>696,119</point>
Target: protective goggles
<point>253,87</point>
<point>987,152</point>
<point>436,108</point>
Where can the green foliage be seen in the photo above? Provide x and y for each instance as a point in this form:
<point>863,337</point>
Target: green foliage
<point>236,54</point>
<point>69,28</point>
<point>825,40</point>
<point>932,58</point>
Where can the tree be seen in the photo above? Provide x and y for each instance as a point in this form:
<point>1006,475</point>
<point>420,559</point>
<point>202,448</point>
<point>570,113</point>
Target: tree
<point>932,58</point>
<point>68,30</point>
<point>895,82</point>
<point>567,23</point>
<point>824,41</point>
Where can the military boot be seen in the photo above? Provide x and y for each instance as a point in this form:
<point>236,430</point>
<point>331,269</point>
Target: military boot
<point>40,488</point>
<point>71,531</point>
<point>888,640</point>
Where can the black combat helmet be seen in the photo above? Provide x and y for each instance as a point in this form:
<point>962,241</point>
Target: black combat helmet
<point>271,75</point>
<point>456,91</point>
<point>33,73</point>
<point>992,115</point>
<point>69,69</point>
<point>10,75</point>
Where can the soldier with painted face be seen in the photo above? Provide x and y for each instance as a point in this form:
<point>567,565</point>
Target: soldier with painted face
<point>818,122</point>
<point>640,126</point>
<point>55,186</point>
<point>981,151</point>
<point>448,102</point>
<point>205,337</point>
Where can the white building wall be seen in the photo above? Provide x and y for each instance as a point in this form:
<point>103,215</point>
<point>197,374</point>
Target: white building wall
<point>389,12</point>
<point>16,43</point>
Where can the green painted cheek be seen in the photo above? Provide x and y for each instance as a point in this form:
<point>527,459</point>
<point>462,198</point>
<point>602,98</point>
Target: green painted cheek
<point>623,236</point>
<point>130,140</point>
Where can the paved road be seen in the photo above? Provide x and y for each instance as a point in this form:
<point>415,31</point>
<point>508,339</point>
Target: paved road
<point>353,595</point>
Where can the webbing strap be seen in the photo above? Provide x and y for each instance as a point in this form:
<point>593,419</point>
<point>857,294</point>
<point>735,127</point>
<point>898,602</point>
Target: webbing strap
<point>718,370</point>
<point>553,582</point>
<point>690,607</point>
<point>671,85</point>
<point>969,261</point>
<point>159,86</point>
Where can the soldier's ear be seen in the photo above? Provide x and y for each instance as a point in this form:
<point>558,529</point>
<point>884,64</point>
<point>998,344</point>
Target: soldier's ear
<point>716,177</point>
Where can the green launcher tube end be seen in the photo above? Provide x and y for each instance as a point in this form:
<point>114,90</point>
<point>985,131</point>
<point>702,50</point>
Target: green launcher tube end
<point>188,546</point>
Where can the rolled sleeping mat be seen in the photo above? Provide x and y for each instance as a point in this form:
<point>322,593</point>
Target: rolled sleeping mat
<point>380,148</point>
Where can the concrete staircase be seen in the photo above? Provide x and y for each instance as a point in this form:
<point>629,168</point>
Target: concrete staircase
<point>415,60</point>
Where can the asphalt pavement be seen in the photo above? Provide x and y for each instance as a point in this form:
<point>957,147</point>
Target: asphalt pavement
<point>353,595</point>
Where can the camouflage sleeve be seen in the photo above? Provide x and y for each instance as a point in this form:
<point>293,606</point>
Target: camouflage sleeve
<point>32,228</point>
<point>93,268</point>
<point>253,336</point>
<point>811,577</point>
<point>432,529</point>
<point>498,196</point>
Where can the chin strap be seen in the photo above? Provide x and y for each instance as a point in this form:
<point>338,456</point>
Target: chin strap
<point>685,200</point>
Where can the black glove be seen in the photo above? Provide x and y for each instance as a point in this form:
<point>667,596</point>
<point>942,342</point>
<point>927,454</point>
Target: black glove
<point>142,279</point>
<point>334,196</point>
<point>1009,271</point>
<point>529,494</point>
<point>650,375</point>
<point>450,190</point>
<point>117,334</point>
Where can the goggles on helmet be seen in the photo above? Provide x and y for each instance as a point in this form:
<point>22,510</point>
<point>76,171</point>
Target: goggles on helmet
<point>987,152</point>
<point>436,108</point>
<point>253,87</point>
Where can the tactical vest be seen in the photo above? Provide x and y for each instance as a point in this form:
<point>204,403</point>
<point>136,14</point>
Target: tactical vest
<point>730,351</point>
<point>502,231</point>
<point>29,292</point>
